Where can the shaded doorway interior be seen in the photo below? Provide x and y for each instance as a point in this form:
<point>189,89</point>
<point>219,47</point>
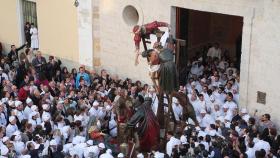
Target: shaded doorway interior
<point>201,30</point>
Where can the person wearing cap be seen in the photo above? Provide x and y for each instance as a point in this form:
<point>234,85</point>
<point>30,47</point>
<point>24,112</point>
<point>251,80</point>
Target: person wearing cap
<point>216,112</point>
<point>18,144</point>
<point>172,142</point>
<point>3,115</point>
<point>91,151</point>
<point>152,94</point>
<point>27,110</point>
<point>3,75</point>
<point>244,114</point>
<point>96,111</point>
<point>216,81</point>
<point>226,112</point>
<point>101,148</point>
<point>34,119</point>
<point>12,126</point>
<point>19,111</point>
<point>140,155</point>
<point>120,155</point>
<point>107,154</point>
<point>206,119</point>
<point>230,103</point>
<point>177,109</point>
<point>46,108</point>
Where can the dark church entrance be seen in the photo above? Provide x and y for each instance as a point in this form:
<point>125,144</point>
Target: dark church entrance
<point>201,30</point>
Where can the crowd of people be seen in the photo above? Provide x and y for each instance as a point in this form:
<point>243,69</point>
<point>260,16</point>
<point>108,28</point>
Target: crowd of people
<point>47,110</point>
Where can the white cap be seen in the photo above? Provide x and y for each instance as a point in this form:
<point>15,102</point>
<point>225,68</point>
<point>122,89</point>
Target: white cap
<point>16,133</point>
<point>158,155</point>
<point>17,138</point>
<point>120,155</point>
<point>78,139</point>
<point>11,118</point>
<point>5,139</point>
<point>101,145</point>
<point>151,88</point>
<point>34,108</point>
<point>45,117</point>
<point>225,106</point>
<point>203,111</point>
<point>78,118</point>
<point>11,103</point>
<point>174,100</point>
<point>109,151</point>
<point>212,133</point>
<point>244,111</point>
<point>90,142</point>
<point>184,139</point>
<point>4,150</point>
<point>45,106</point>
<point>193,83</point>
<point>18,103</point>
<point>26,156</point>
<point>140,155</point>
<point>201,134</point>
<point>108,108</point>
<point>28,100</point>
<point>203,80</point>
<point>212,98</point>
<point>95,103</point>
<point>53,142</point>
<point>92,150</point>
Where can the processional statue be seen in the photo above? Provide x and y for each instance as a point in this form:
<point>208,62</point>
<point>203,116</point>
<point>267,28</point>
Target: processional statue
<point>165,79</point>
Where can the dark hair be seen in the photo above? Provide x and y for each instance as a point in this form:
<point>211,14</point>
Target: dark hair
<point>170,133</point>
<point>230,94</point>
<point>267,116</point>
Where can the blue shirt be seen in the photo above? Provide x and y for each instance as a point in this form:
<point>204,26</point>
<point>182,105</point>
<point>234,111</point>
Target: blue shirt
<point>85,77</point>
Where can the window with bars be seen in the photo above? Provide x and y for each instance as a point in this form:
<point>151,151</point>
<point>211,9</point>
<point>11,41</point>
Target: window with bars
<point>29,12</point>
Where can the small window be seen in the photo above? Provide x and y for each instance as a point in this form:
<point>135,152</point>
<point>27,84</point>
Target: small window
<point>130,15</point>
<point>29,12</point>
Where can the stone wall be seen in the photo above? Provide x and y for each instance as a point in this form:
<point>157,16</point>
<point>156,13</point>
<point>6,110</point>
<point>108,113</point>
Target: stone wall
<point>260,60</point>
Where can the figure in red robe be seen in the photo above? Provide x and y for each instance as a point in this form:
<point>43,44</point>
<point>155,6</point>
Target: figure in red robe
<point>145,31</point>
<point>148,127</point>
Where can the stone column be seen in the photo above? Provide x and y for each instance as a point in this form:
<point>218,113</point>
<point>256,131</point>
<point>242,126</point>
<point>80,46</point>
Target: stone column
<point>96,33</point>
<point>85,33</point>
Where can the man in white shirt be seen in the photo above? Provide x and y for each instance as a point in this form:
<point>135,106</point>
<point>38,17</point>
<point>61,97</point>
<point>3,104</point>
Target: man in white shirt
<point>96,111</point>
<point>230,103</point>
<point>152,94</point>
<point>19,111</point>
<point>250,151</point>
<point>3,75</point>
<point>12,127</point>
<point>244,114</point>
<point>177,109</point>
<point>196,104</point>
<point>206,119</point>
<point>27,110</point>
<point>227,113</point>
<point>3,115</point>
<point>215,51</point>
<point>171,143</point>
